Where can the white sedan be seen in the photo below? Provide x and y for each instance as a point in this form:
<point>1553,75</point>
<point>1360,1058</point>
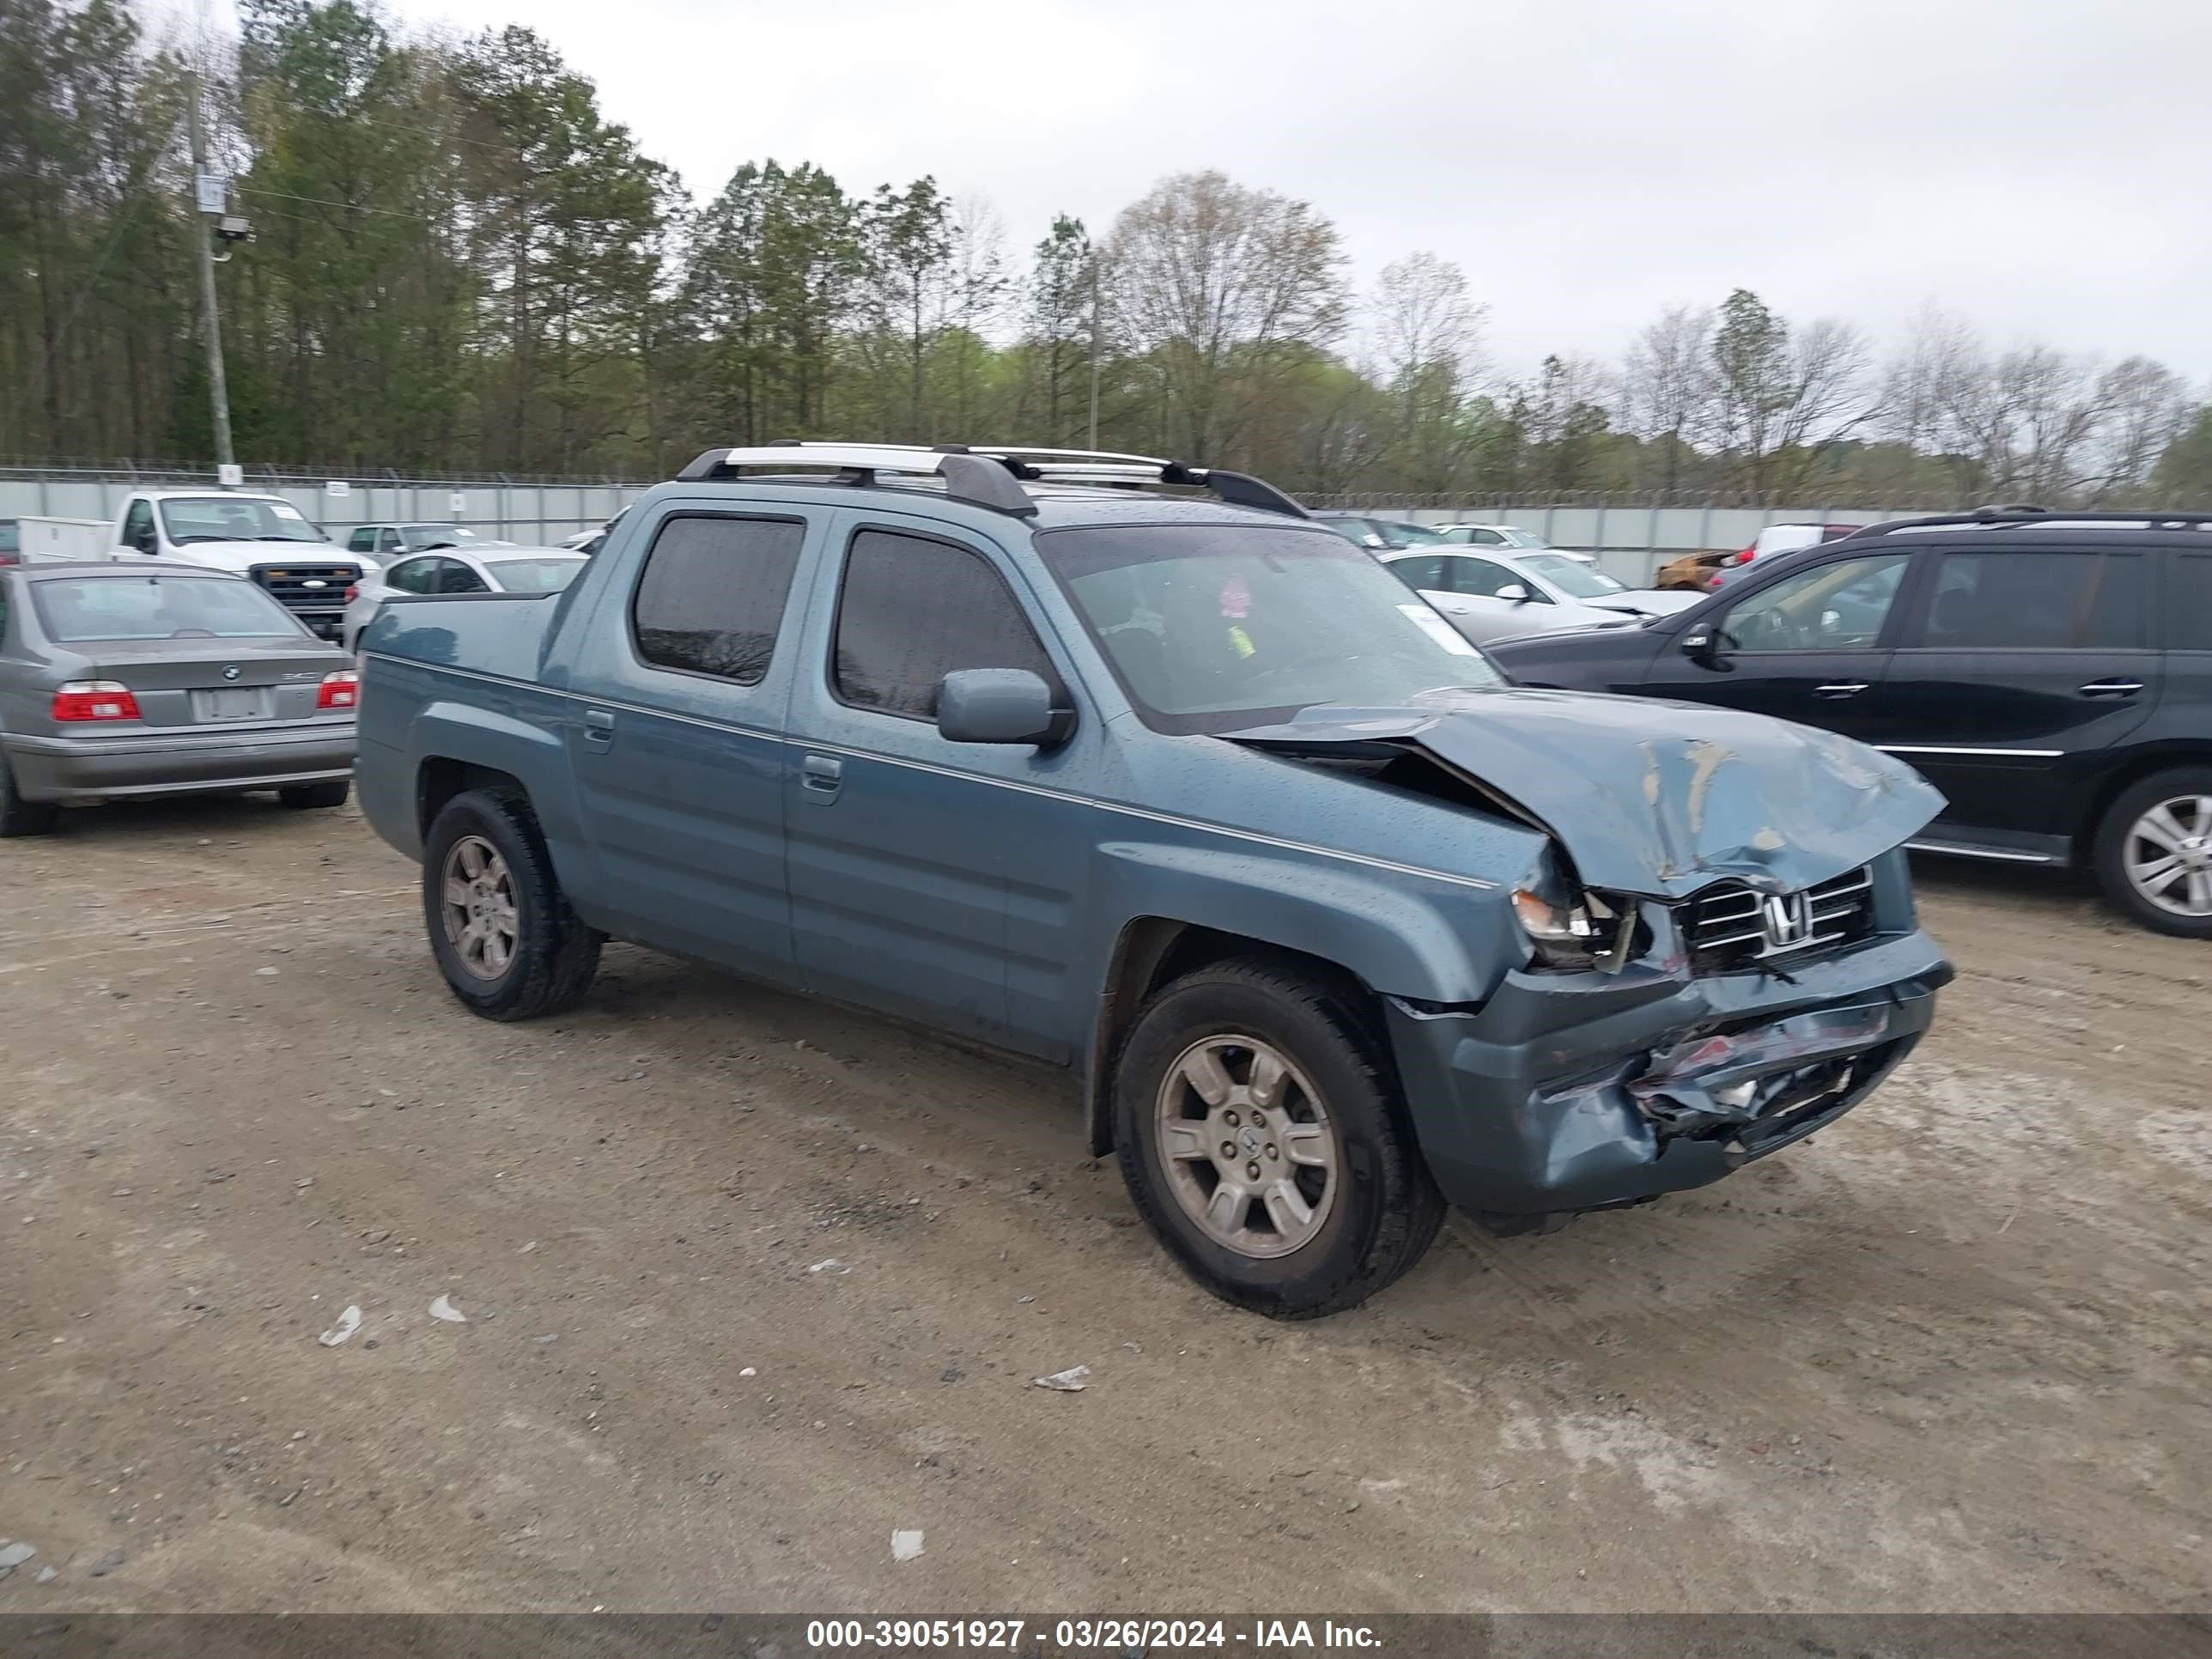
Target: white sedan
<point>1502,591</point>
<point>449,570</point>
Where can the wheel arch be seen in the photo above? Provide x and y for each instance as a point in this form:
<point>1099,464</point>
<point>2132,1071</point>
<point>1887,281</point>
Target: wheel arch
<point>2082,841</point>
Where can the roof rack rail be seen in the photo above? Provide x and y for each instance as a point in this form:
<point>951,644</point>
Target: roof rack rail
<point>2055,519</point>
<point>992,475</point>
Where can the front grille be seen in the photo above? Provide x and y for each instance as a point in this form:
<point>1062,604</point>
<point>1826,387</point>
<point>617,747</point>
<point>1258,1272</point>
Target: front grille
<point>287,583</point>
<point>1733,928</point>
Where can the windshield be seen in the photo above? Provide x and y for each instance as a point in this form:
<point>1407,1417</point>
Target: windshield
<point>1517,537</point>
<point>158,608</point>
<point>534,575</point>
<point>234,518</point>
<point>1409,535</point>
<point>420,537</point>
<point>1215,627</point>
<point>1571,576</point>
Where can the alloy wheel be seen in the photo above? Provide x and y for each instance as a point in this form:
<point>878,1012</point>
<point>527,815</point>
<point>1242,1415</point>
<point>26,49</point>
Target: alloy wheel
<point>477,903</point>
<point>1249,1151</point>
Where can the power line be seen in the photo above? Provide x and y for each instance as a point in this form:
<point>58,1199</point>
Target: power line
<point>325,201</point>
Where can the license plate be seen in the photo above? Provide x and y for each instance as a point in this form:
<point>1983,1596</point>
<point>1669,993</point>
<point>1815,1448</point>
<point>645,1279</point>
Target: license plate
<point>248,704</point>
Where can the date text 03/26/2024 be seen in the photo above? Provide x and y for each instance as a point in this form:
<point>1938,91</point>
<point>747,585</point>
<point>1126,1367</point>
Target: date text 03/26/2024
<point>1081,1635</point>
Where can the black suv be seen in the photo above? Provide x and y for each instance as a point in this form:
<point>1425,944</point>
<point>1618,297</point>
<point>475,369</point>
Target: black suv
<point>2051,674</point>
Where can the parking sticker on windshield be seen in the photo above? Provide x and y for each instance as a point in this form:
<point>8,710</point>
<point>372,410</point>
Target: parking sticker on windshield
<point>1439,630</point>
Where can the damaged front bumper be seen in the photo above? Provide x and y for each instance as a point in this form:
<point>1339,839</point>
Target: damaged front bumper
<point>1579,1091</point>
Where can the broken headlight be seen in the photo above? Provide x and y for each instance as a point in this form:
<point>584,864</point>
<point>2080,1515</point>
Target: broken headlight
<point>1586,931</point>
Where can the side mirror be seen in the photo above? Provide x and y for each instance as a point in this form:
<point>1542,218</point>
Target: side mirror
<point>999,705</point>
<point>148,542</point>
<point>1514,591</point>
<point>1702,644</point>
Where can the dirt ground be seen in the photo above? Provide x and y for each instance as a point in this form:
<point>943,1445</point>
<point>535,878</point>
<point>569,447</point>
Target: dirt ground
<point>750,1283</point>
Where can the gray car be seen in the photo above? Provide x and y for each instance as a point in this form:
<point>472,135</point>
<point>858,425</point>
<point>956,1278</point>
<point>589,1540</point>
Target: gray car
<point>118,682</point>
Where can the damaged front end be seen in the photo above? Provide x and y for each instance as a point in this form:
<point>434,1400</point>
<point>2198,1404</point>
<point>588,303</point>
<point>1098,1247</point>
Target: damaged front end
<point>1722,955</point>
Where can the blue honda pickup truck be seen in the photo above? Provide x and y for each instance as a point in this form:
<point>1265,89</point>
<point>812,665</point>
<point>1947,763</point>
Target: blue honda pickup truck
<point>1130,767</point>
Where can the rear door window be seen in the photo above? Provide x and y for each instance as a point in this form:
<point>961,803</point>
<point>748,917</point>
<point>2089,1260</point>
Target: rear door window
<point>711,597</point>
<point>1425,572</point>
<point>455,577</point>
<point>2188,603</point>
<point>2026,599</point>
<point>912,611</point>
<point>411,575</point>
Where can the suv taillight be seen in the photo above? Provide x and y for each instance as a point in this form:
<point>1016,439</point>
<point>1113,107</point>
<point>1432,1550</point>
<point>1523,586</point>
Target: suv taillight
<point>94,699</point>
<point>340,689</point>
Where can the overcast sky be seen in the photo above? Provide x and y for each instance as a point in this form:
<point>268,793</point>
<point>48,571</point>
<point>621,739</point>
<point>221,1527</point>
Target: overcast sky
<point>2044,167</point>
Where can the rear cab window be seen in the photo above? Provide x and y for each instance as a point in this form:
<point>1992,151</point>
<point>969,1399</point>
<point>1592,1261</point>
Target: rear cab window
<point>711,597</point>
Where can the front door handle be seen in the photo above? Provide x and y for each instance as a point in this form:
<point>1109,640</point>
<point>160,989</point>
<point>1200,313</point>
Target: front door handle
<point>598,729</point>
<point>821,776</point>
<point>1841,688</point>
<point>2110,688</point>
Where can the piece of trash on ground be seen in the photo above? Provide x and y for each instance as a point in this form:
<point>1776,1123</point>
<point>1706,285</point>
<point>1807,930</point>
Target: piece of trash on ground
<point>443,1308</point>
<point>1070,1381</point>
<point>749,1371</point>
<point>14,1555</point>
<point>829,1265</point>
<point>348,1322</point>
<point>905,1545</point>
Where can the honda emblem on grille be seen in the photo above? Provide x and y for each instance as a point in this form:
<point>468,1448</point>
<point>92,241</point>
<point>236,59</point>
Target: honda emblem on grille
<point>230,670</point>
<point>1787,918</point>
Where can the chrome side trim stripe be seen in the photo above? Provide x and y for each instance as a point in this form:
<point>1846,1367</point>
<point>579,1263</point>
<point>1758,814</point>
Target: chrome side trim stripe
<point>1933,749</point>
<point>1953,850</point>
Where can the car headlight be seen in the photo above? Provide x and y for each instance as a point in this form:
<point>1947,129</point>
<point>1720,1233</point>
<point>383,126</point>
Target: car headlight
<point>1563,932</point>
<point>1581,933</point>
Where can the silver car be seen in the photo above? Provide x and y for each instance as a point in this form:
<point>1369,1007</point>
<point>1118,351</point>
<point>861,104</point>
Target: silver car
<point>119,682</point>
<point>1502,591</point>
<point>501,569</point>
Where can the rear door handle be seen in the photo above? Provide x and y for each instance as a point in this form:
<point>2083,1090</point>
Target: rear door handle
<point>820,775</point>
<point>1841,688</point>
<point>2110,688</point>
<point>598,728</point>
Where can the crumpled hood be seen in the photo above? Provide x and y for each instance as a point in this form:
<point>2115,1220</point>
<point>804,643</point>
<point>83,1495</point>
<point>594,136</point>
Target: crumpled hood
<point>1651,797</point>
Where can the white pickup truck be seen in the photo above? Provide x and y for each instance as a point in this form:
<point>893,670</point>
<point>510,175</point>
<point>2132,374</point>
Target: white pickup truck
<point>264,538</point>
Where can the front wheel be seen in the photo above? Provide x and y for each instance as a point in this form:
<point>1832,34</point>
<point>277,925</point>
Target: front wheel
<point>504,937</point>
<point>2154,852</point>
<point>1261,1138</point>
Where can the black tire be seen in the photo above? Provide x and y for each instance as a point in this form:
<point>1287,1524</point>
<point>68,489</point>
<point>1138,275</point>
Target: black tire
<point>301,796</point>
<point>554,954</point>
<point>1385,1209</point>
<point>2113,833</point>
<point>19,817</point>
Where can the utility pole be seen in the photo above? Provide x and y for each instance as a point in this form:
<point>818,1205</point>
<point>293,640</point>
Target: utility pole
<point>218,389</point>
<point>1094,346</point>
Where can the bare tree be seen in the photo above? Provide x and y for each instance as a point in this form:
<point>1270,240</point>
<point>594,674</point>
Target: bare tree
<point>1667,384</point>
<point>1427,334</point>
<point>1782,398</point>
<point>1210,279</point>
<point>2148,409</point>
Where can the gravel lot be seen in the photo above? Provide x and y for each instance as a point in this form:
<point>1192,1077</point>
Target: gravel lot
<point>750,1283</point>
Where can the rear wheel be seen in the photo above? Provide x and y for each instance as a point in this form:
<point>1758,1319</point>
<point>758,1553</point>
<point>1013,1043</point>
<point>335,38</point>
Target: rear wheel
<point>2153,853</point>
<point>504,937</point>
<point>19,817</point>
<point>1260,1137</point>
<point>304,795</point>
